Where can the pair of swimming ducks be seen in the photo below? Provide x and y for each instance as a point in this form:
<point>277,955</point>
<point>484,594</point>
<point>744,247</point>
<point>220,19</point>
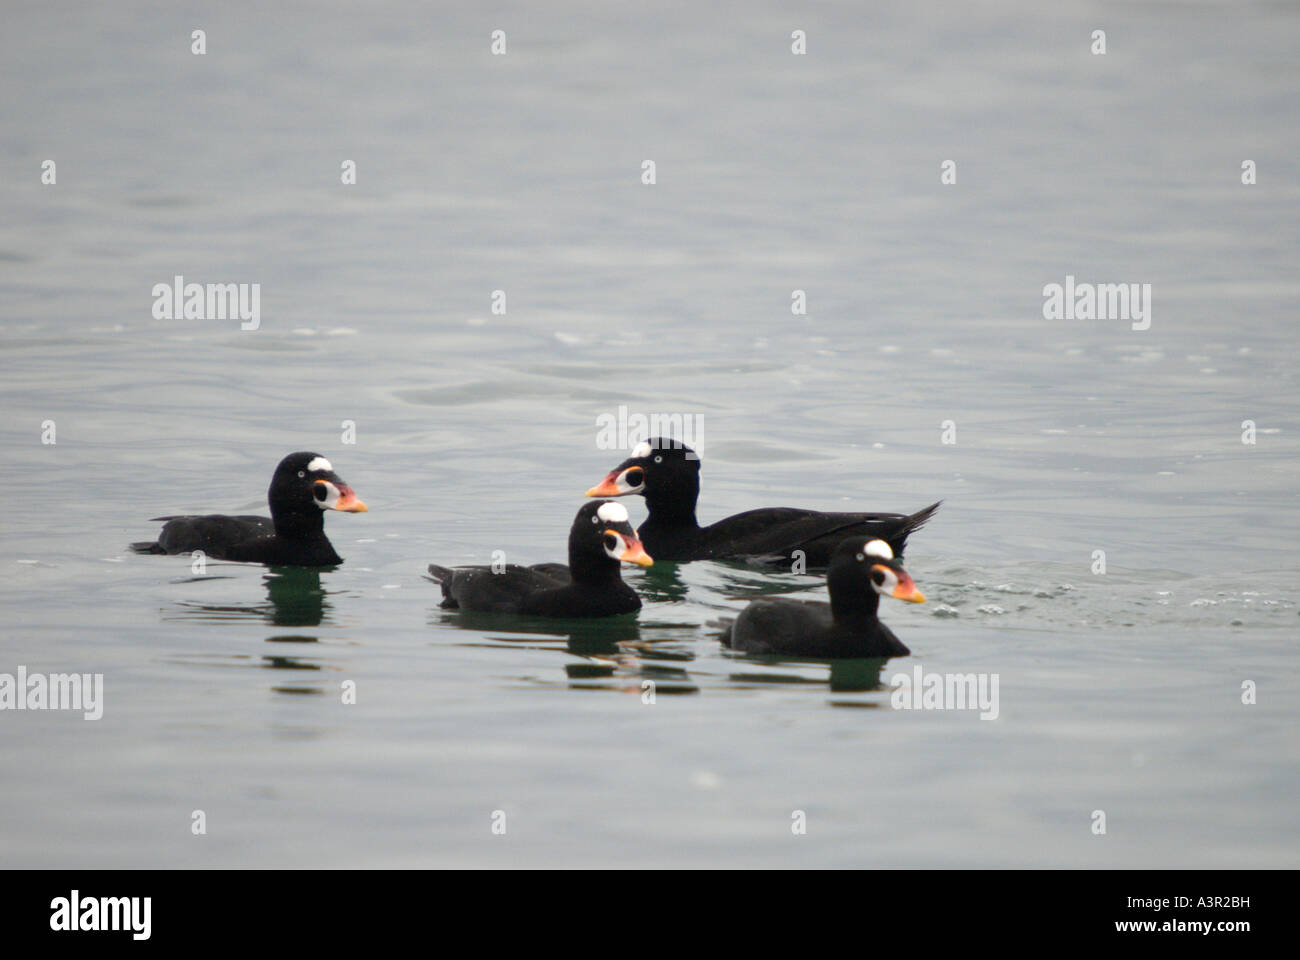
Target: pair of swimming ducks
<point>861,553</point>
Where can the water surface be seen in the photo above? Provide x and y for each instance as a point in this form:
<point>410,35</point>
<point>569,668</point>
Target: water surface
<point>477,432</point>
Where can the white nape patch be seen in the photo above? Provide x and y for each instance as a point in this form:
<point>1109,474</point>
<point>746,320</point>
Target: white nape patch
<point>320,463</point>
<point>642,450</point>
<point>612,512</point>
<point>878,548</point>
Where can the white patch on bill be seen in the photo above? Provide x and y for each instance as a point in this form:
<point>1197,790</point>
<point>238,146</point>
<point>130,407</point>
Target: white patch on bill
<point>331,494</point>
<point>625,484</point>
<point>878,548</point>
<point>641,450</point>
<point>319,463</point>
<point>890,583</point>
<point>612,512</point>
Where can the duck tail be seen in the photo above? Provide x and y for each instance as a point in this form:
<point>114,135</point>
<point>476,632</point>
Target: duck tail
<point>909,525</point>
<point>442,576</point>
<point>919,519</point>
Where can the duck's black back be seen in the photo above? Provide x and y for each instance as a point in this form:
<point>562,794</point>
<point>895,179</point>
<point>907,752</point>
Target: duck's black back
<point>244,539</point>
<point>775,534</point>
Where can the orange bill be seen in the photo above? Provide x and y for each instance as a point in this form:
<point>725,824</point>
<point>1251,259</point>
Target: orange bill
<point>607,487</point>
<point>633,552</point>
<point>348,501</point>
<point>906,589</point>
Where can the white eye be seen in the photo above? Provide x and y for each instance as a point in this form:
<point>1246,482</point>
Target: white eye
<point>301,474</point>
<point>595,519</point>
<point>860,558</point>
<point>659,459</point>
<point>878,548</point>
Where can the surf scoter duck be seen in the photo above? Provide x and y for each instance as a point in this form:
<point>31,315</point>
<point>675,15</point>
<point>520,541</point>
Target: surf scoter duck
<point>667,474</point>
<point>592,586</point>
<point>861,572</point>
<point>303,488</point>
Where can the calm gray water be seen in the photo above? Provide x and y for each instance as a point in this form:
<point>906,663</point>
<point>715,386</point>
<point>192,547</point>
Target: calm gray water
<point>475,431</point>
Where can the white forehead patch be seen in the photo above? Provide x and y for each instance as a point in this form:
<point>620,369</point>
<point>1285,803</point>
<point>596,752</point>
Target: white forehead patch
<point>878,548</point>
<point>612,512</point>
<point>319,463</point>
<point>642,449</point>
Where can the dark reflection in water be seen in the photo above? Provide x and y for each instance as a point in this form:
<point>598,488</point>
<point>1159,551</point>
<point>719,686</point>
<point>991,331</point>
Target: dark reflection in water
<point>846,676</point>
<point>294,598</point>
<point>273,661</point>
<point>614,655</point>
<point>629,672</point>
<point>624,655</point>
<point>289,663</point>
<point>742,582</point>
<point>585,636</point>
<point>857,675</point>
<point>661,583</point>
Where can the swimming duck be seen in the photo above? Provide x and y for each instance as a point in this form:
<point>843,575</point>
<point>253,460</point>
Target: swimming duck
<point>860,573</point>
<point>667,474</point>
<point>303,487</point>
<point>600,539</point>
